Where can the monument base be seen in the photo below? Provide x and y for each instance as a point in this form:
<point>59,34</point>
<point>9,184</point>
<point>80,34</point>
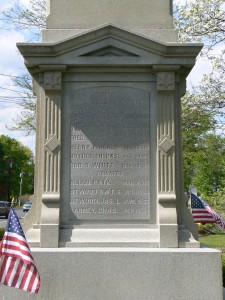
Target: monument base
<point>125,274</point>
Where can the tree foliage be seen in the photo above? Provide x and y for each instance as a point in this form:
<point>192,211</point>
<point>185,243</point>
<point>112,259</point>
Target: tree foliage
<point>209,162</point>
<point>209,170</point>
<point>202,20</point>
<point>26,121</point>
<point>211,90</point>
<point>203,106</point>
<point>195,125</point>
<point>21,17</point>
<point>14,159</point>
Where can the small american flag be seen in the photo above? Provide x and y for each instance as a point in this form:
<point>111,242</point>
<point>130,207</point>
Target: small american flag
<point>203,213</point>
<point>17,268</point>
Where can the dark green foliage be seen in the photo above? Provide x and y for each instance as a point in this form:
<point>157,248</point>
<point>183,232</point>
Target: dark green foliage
<point>2,231</point>
<point>209,229</point>
<point>209,163</point>
<point>15,158</point>
<point>196,122</point>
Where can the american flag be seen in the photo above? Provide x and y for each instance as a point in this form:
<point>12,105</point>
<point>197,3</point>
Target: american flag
<point>17,267</point>
<point>203,213</point>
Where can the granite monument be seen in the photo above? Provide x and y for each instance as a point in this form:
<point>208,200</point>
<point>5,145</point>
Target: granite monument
<point>109,217</point>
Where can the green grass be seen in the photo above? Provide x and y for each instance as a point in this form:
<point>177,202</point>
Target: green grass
<point>213,241</point>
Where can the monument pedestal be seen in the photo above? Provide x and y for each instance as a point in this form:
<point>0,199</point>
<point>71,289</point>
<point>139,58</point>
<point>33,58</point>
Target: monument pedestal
<point>109,219</point>
<point>108,162</point>
<point>126,274</point>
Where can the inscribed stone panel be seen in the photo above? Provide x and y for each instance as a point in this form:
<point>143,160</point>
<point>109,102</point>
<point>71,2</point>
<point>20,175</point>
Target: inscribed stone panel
<point>109,166</point>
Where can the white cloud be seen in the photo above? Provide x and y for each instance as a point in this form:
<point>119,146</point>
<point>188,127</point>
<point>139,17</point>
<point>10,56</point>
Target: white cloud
<point>181,2</point>
<point>9,58</point>
<point>5,4</point>
<point>201,67</point>
<point>25,2</point>
<point>6,116</point>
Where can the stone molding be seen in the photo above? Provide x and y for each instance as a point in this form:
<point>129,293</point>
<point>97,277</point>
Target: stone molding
<point>166,88</point>
<point>52,158</point>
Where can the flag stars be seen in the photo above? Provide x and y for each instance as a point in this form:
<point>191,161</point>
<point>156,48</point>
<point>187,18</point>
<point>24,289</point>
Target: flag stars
<point>13,225</point>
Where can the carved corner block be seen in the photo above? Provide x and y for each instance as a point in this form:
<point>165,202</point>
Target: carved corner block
<point>52,144</point>
<point>165,81</point>
<point>166,144</point>
<point>52,81</point>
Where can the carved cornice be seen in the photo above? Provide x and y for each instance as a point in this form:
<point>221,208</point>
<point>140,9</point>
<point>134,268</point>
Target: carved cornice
<point>143,51</point>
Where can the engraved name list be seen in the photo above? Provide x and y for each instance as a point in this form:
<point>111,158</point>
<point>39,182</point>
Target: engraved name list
<point>110,154</point>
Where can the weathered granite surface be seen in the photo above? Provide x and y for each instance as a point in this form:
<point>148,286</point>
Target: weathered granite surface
<point>125,274</point>
<point>109,218</point>
<point>149,18</point>
<point>108,141</point>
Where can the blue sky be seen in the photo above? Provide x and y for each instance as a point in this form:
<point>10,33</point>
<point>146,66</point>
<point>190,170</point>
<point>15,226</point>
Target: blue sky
<point>11,63</point>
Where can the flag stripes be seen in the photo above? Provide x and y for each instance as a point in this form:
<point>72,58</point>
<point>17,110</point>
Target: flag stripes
<point>17,267</point>
<point>202,216</point>
<point>203,213</point>
<point>15,246</point>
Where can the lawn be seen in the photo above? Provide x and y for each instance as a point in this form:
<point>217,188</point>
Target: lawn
<point>213,241</point>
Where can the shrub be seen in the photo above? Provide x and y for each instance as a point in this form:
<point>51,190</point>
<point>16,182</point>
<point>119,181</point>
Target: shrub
<point>211,229</point>
<point>2,231</point>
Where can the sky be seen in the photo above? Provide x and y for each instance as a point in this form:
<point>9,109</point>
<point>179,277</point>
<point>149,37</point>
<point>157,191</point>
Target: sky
<point>11,63</point>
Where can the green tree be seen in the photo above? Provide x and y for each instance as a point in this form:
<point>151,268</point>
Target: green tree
<point>200,21</point>
<point>204,21</point>
<point>14,159</point>
<point>195,125</point>
<point>209,162</point>
<point>203,106</point>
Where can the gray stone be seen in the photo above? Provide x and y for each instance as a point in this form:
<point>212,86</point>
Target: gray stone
<point>142,17</point>
<point>109,218</point>
<point>76,14</point>
<point>109,107</point>
<point>57,35</point>
<point>110,154</point>
<point>126,274</point>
